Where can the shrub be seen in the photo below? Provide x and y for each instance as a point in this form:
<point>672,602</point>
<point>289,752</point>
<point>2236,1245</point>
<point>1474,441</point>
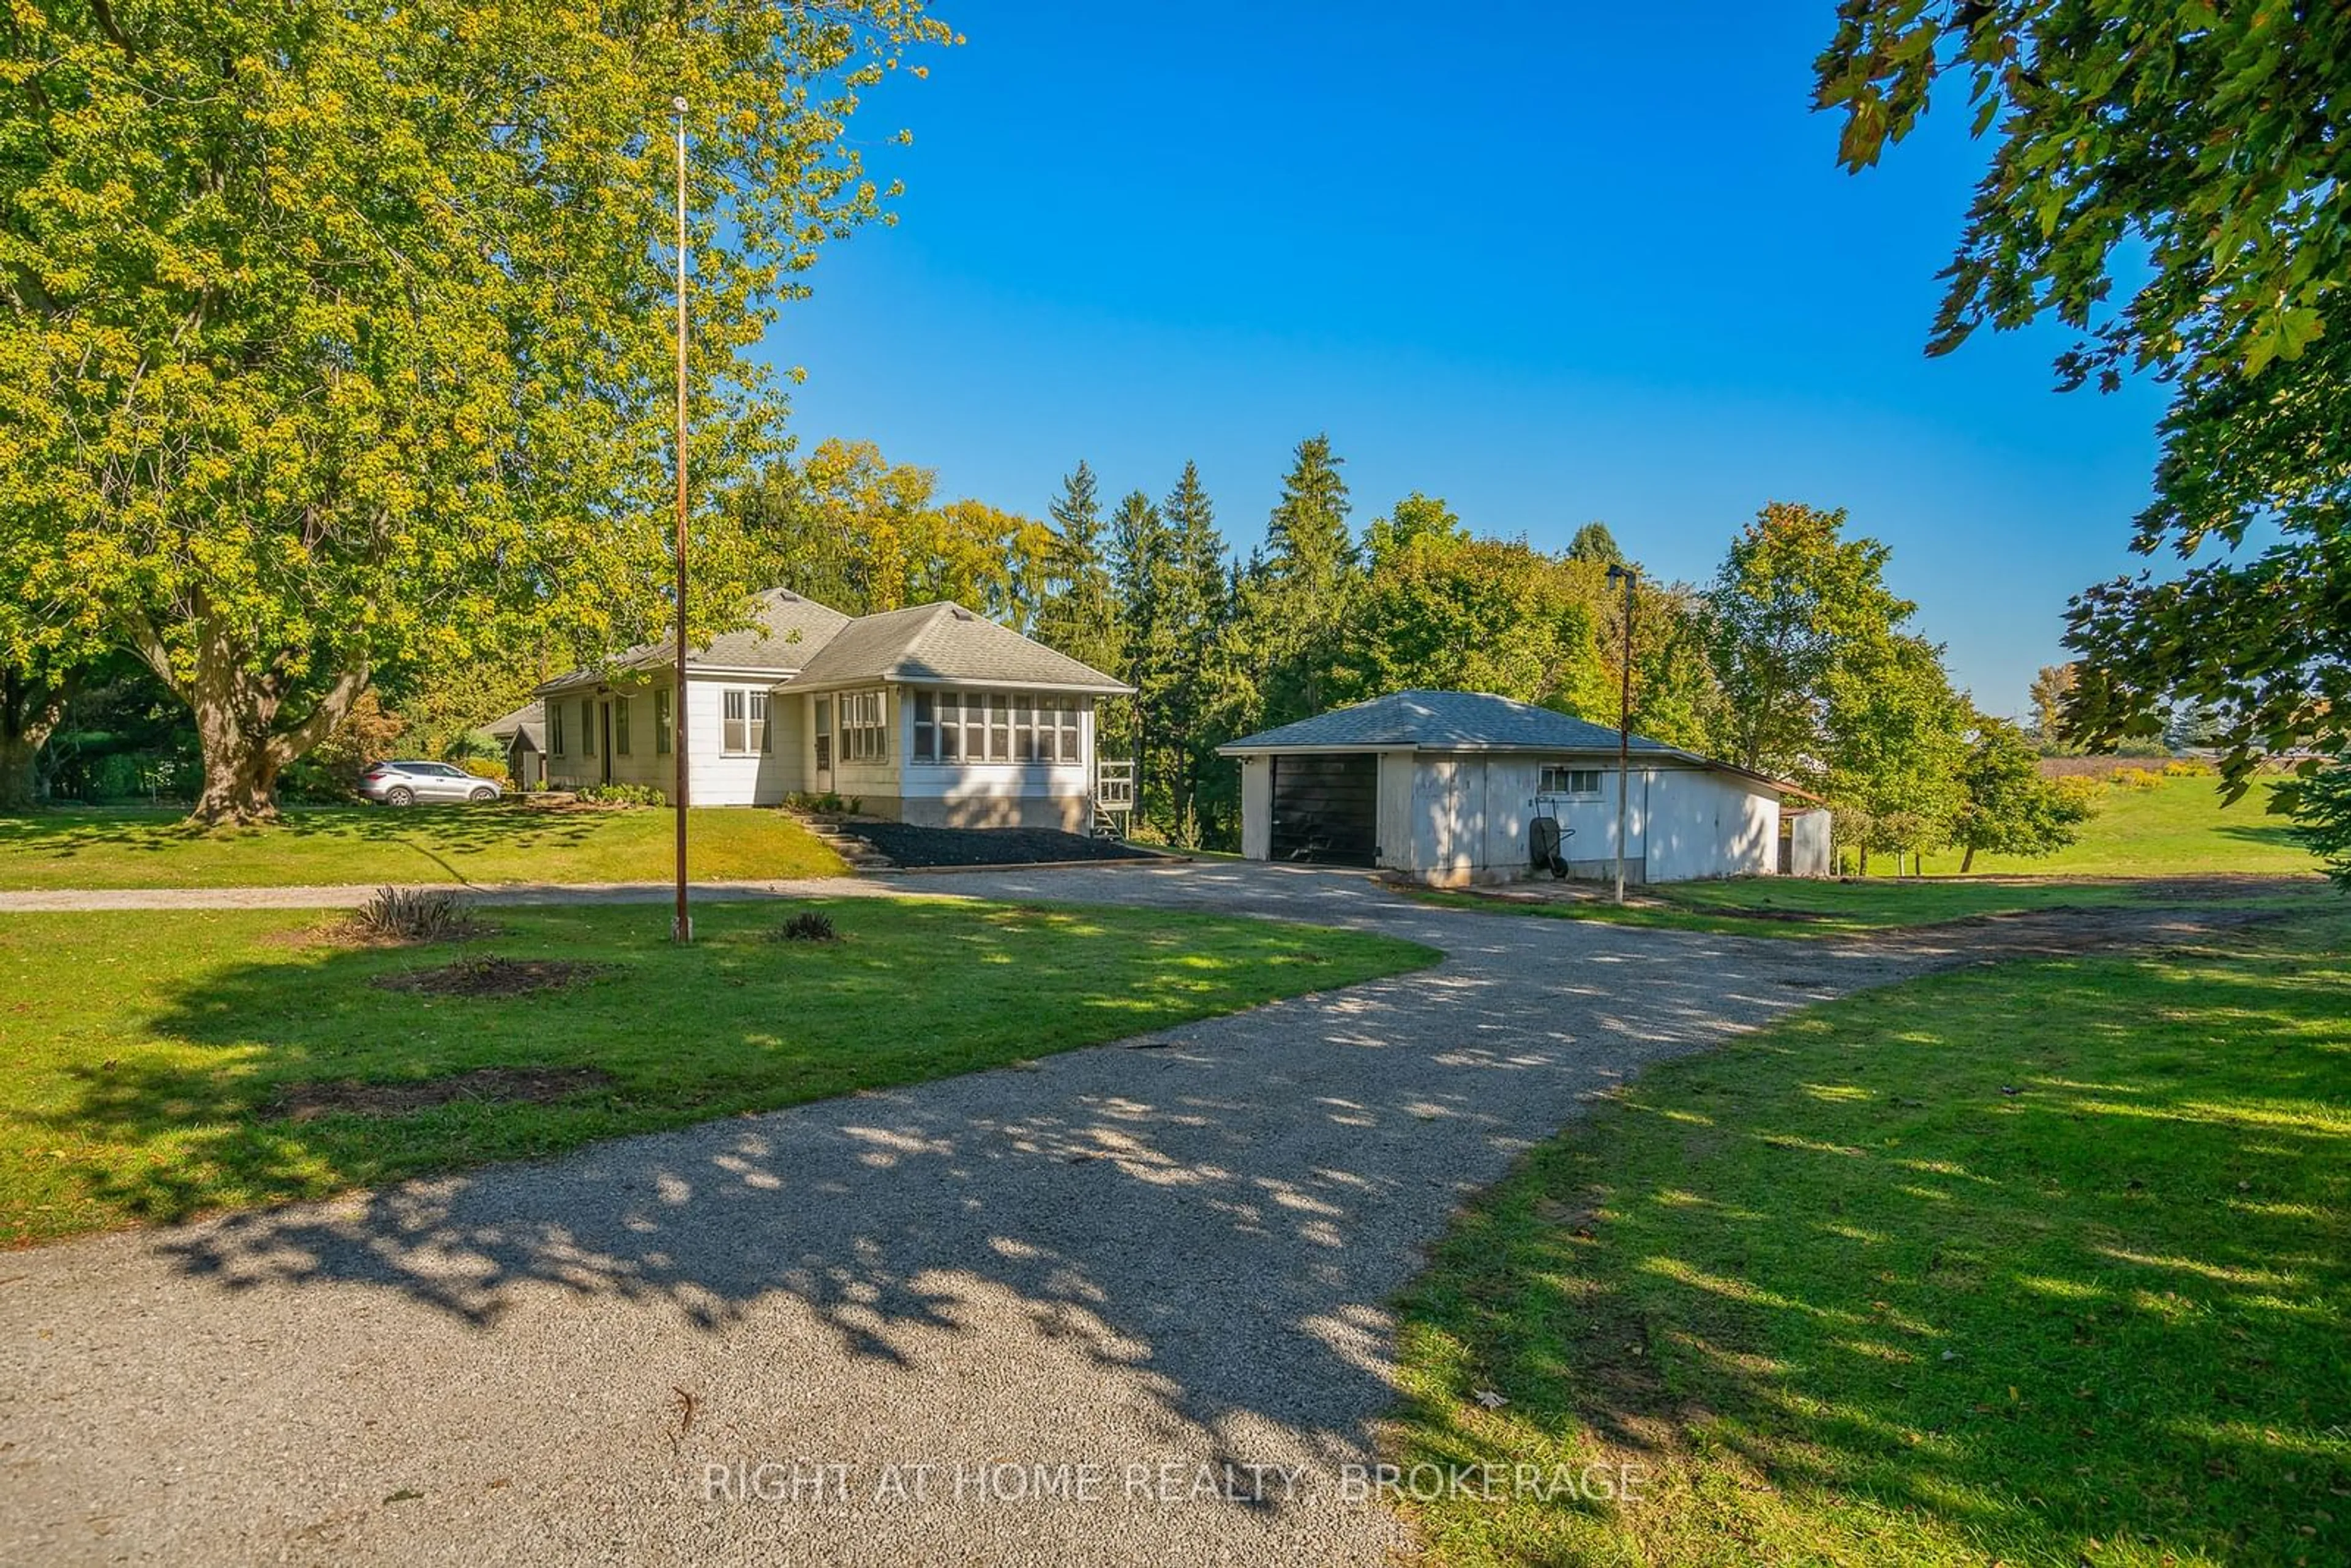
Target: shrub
<point>472,745</point>
<point>622,795</point>
<point>413,914</point>
<point>808,926</point>
<point>492,769</point>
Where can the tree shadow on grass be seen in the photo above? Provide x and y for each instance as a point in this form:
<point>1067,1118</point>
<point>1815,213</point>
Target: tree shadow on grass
<point>432,832</point>
<point>1213,1219</point>
<point>2068,1283</point>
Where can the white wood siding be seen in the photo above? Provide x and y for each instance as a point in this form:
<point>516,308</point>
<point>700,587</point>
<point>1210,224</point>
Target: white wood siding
<point>1710,824</point>
<point>1256,808</point>
<point>754,779</point>
<point>1460,817</point>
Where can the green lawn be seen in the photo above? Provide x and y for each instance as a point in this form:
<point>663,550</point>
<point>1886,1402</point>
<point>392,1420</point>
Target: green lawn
<point>1796,906</point>
<point>2044,1263</point>
<point>149,1053</point>
<point>2173,826</point>
<point>506,843</point>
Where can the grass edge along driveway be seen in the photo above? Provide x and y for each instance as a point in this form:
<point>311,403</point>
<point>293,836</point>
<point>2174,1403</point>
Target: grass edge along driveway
<point>1802,907</point>
<point>154,1055</point>
<point>340,845</point>
<point>2044,1262</point>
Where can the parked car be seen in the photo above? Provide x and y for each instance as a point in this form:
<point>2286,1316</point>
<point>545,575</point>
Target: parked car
<point>406,783</point>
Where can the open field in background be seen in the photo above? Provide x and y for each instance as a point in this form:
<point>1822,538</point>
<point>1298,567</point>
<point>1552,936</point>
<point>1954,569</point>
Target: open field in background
<point>2049,1262</point>
<point>160,1064</point>
<point>2171,827</point>
<point>325,844</point>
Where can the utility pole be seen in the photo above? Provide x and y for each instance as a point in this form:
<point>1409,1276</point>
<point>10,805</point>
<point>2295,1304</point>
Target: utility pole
<point>682,929</point>
<point>1623,726</point>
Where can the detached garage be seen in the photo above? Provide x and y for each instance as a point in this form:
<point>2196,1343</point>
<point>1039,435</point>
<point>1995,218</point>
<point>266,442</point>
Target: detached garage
<point>1445,786</point>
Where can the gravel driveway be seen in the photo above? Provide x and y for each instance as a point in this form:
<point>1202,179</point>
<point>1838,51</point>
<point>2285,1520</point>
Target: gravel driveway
<point>1089,1295</point>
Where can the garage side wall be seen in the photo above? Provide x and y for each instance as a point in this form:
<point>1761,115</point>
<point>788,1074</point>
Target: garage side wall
<point>1709,824</point>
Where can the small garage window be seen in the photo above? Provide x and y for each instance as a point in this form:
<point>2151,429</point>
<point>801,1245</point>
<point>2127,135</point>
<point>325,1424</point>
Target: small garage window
<point>1570,781</point>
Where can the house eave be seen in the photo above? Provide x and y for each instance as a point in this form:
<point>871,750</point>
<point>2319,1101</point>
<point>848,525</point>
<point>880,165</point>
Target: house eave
<point>891,677</point>
<point>588,679</point>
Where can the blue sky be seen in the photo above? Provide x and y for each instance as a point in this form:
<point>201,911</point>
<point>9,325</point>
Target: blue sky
<point>1551,262</point>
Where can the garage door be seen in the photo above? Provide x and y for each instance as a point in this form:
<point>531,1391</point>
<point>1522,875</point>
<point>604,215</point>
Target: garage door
<point>1325,809</point>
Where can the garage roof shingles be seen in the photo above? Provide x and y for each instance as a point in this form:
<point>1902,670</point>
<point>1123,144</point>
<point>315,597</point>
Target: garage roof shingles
<point>1443,721</point>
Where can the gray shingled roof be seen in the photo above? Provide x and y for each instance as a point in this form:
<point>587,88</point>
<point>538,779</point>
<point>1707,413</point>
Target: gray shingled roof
<point>787,630</point>
<point>944,643</point>
<point>1443,721</point>
<point>529,719</point>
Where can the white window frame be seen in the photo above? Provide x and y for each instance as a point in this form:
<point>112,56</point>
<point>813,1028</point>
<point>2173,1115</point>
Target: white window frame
<point>956,726</point>
<point>734,722</point>
<point>763,733</point>
<point>1577,783</point>
<point>865,726</point>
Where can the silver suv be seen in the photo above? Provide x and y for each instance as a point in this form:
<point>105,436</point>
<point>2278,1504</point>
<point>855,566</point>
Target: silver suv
<point>406,783</point>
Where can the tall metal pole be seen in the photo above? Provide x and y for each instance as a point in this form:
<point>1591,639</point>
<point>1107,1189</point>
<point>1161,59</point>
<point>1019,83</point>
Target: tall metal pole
<point>1625,736</point>
<point>682,930</point>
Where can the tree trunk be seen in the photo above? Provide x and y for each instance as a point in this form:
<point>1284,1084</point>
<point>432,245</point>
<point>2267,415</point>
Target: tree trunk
<point>239,709</point>
<point>240,779</point>
<point>19,773</point>
<point>1865,857</point>
<point>1968,861</point>
<point>29,711</point>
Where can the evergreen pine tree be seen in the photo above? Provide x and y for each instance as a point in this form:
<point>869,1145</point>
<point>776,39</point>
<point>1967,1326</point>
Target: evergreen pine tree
<point>1080,613</point>
<point>1143,567</point>
<point>1197,602</point>
<point>1310,570</point>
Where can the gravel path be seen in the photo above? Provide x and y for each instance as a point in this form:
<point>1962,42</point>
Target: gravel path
<point>1166,1260</point>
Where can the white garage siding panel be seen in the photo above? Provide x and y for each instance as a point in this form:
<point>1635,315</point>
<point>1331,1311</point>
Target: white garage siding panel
<point>1509,808</point>
<point>1256,808</point>
<point>1393,817</point>
<point>1708,825</point>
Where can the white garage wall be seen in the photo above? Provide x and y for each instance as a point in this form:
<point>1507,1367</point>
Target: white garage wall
<point>1709,824</point>
<point>1392,820</point>
<point>1256,808</point>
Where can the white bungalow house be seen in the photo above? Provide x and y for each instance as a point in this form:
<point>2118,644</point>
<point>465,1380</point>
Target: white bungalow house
<point>1444,787</point>
<point>932,715</point>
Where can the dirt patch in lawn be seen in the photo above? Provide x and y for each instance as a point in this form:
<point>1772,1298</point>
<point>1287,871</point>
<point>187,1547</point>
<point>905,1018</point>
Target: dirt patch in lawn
<point>492,977</point>
<point>503,1085</point>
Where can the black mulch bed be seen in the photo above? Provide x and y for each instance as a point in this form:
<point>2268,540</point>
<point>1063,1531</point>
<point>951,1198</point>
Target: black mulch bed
<point>911,846</point>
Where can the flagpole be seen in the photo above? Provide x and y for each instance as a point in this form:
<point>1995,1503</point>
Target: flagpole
<point>682,930</point>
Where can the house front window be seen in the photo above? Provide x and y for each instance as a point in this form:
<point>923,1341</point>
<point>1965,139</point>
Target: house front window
<point>587,726</point>
<point>661,722</point>
<point>743,722</point>
<point>620,727</point>
<point>555,729</point>
<point>864,735</point>
<point>993,727</point>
